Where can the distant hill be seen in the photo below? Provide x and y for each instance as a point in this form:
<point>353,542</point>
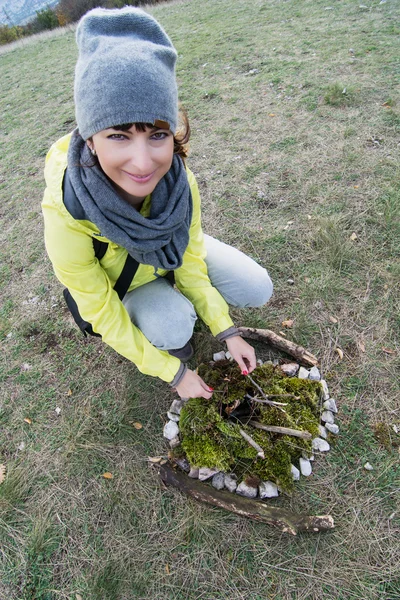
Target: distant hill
<point>19,12</point>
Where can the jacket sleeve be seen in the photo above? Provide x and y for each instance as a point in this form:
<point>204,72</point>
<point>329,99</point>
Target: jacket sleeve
<point>192,277</point>
<point>71,252</point>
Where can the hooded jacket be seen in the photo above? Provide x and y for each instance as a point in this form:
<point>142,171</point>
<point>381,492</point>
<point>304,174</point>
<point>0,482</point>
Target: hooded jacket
<point>90,281</point>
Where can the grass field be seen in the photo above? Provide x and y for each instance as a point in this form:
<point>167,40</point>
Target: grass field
<point>295,112</point>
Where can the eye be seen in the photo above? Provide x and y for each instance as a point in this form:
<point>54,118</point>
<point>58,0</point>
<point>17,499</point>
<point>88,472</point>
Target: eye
<point>160,135</point>
<point>117,136</point>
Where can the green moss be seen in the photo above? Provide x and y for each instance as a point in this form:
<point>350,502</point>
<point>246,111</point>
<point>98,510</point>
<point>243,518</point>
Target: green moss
<point>210,439</point>
<point>386,436</point>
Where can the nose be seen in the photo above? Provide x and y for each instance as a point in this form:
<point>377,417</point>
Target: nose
<point>140,159</point>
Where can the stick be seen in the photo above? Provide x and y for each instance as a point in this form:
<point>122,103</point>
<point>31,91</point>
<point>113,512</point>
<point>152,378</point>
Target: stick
<point>305,435</point>
<point>286,521</point>
<point>266,401</point>
<point>252,443</point>
<point>264,395</point>
<point>275,340</point>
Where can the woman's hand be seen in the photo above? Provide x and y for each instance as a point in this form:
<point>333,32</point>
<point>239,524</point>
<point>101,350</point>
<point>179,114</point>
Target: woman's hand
<point>192,386</point>
<point>243,353</point>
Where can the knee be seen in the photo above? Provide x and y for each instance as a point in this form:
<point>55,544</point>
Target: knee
<point>171,332</point>
<point>258,291</point>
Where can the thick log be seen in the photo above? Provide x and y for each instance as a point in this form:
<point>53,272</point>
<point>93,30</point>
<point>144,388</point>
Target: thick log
<point>273,339</point>
<point>281,518</point>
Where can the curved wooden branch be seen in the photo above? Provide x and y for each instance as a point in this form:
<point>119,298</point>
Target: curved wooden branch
<point>277,341</point>
<point>286,521</point>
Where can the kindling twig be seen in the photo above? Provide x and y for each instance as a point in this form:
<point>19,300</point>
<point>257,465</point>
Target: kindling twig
<point>249,440</point>
<point>305,435</point>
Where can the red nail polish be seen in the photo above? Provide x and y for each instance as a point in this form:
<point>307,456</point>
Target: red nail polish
<point>210,388</point>
<point>245,372</point>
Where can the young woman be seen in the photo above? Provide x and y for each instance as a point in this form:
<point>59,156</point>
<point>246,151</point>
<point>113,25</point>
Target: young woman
<point>129,186</point>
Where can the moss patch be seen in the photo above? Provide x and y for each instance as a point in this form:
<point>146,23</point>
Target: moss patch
<point>210,428</point>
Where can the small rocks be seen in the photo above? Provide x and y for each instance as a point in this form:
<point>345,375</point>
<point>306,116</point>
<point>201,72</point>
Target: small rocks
<point>328,417</point>
<point>322,431</point>
<point>320,444</point>
<point>174,443</point>
<point>182,464</point>
<point>368,467</point>
<point>194,473</point>
<point>330,405</point>
<point>303,373</point>
<point>172,416</point>
<point>267,489</point>
<point>57,410</point>
<point>171,430</point>
<point>230,482</point>
<point>246,490</point>
<point>219,356</point>
<point>314,375</point>
<point>295,473</point>
<point>218,481</point>
<point>290,369</point>
<point>305,467</point>
<point>325,391</point>
<point>177,406</point>
<point>228,355</point>
<point>332,428</point>
<point>205,473</point>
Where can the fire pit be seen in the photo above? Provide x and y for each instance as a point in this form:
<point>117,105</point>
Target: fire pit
<point>256,436</point>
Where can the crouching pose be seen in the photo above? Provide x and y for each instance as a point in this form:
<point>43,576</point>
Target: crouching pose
<point>120,178</point>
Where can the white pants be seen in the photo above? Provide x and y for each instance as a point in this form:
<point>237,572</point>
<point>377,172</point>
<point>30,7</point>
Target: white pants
<point>167,318</point>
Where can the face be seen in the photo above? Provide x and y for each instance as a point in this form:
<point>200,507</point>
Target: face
<point>135,161</point>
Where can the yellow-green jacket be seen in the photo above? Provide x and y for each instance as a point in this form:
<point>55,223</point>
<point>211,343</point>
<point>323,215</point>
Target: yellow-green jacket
<point>70,248</point>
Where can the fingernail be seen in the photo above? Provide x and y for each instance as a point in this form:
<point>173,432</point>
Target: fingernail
<point>245,372</point>
<point>210,388</point>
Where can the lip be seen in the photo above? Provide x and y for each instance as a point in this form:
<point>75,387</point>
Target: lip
<point>139,178</point>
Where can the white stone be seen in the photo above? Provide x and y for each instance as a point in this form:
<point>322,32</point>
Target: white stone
<point>305,467</point>
<point>314,375</point>
<point>246,490</point>
<point>290,369</point>
<point>268,489</point>
<point>22,446</point>
<point>368,467</point>
<point>295,473</point>
<point>322,431</point>
<point>193,473</point>
<point>303,373</point>
<point>206,473</point>
<point>57,410</point>
<point>218,481</point>
<point>173,417</point>
<point>332,427</point>
<point>230,482</point>
<point>171,430</point>
<point>182,464</point>
<point>259,362</point>
<point>330,405</point>
<point>177,406</point>
<point>328,416</point>
<point>320,444</point>
<point>174,442</point>
<point>325,391</point>
<point>219,356</point>
<point>228,355</point>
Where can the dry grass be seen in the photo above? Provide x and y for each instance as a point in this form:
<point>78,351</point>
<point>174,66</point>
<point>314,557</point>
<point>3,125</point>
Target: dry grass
<point>288,171</point>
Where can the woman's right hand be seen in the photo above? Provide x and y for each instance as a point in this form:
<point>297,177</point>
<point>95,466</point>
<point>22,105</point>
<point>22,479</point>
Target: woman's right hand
<point>192,386</point>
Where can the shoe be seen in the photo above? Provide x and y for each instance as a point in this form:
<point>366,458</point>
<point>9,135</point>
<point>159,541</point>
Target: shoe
<point>184,354</point>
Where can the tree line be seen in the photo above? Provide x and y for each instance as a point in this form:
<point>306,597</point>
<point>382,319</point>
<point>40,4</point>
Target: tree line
<point>65,12</point>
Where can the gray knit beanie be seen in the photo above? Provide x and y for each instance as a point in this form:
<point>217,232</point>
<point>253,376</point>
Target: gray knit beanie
<point>125,71</point>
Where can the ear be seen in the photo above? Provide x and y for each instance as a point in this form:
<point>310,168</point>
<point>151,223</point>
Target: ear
<point>91,146</point>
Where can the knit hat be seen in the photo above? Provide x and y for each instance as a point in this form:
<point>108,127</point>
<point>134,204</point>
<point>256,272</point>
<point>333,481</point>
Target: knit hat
<point>125,71</point>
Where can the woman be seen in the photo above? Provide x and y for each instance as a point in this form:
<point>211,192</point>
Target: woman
<point>130,188</point>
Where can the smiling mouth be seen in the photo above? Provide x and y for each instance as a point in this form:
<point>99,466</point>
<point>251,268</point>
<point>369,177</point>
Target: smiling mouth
<point>139,178</point>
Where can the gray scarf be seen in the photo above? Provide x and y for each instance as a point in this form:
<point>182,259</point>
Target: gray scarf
<point>160,239</point>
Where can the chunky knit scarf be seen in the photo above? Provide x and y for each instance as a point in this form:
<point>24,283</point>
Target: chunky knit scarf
<point>160,239</point>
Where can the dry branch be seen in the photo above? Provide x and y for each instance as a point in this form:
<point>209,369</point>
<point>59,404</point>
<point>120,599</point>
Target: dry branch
<point>276,341</point>
<point>305,435</point>
<point>249,440</point>
<point>286,521</point>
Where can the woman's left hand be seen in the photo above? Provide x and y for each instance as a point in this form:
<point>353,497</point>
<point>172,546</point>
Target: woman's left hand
<point>243,353</point>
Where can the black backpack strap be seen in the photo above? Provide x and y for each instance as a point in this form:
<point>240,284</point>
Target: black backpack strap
<point>127,274</point>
